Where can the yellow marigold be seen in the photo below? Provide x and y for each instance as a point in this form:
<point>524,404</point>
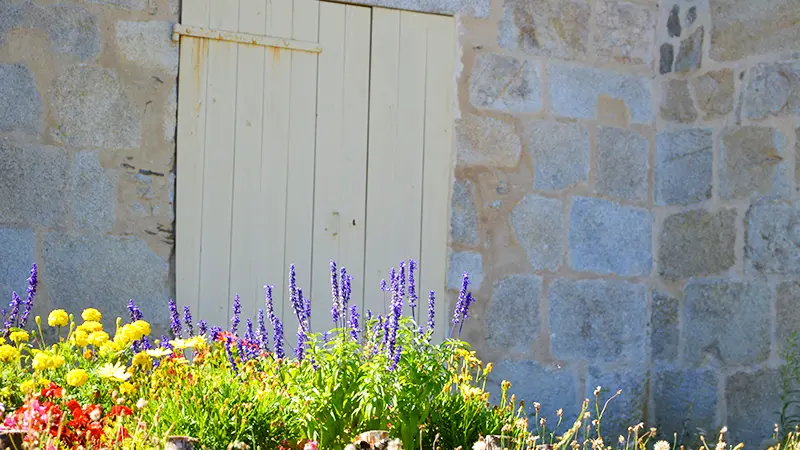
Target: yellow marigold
<point>127,388</point>
<point>142,359</point>
<point>27,386</point>
<point>44,382</point>
<point>8,353</point>
<point>98,338</point>
<point>142,327</point>
<point>91,314</point>
<point>58,318</point>
<point>19,336</point>
<point>81,338</point>
<point>41,361</point>
<point>77,377</point>
<point>90,326</point>
<point>55,361</point>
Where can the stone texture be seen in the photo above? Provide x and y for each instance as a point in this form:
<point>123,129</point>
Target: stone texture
<point>684,160</point>
<point>627,408</point>
<point>690,53</point>
<point>667,55</point>
<point>171,116</point>
<point>606,237</point>
<point>556,28</point>
<point>148,45</point>
<point>554,388</point>
<point>753,401</point>
<point>504,83</point>
<point>684,400</point>
<point>17,252</point>
<point>674,21</point>
<point>715,92</point>
<point>797,156</point>
<point>94,193</point>
<point>727,321</point>
<point>460,262</point>
<point>665,335</point>
<point>94,110</point>
<point>597,320</point>
<point>742,28</point>
<point>127,4</point>
<point>104,272</point>
<point>560,153</point>
<point>623,164</point>
<point>71,30</point>
<point>20,102</point>
<point>538,225</point>
<point>624,31</point>
<point>691,15</point>
<point>486,141</point>
<point>788,313</point>
<point>33,185</point>
<point>774,89</point>
<point>512,319</point>
<point>752,161</point>
<point>463,215</point>
<point>574,92</point>
<point>697,243</point>
<point>676,102</point>
<point>772,234</point>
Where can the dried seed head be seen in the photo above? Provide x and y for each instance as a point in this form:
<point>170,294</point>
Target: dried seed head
<point>536,406</point>
<point>621,439</point>
<point>560,412</point>
<point>660,445</point>
<point>597,391</point>
<point>721,445</point>
<point>542,421</point>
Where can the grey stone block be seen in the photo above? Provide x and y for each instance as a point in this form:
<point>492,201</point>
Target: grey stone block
<point>574,92</point>
<point>623,164</point>
<point>104,272</point>
<point>665,335</point>
<point>94,193</point>
<point>33,185</point>
<point>463,215</point>
<point>127,4</point>
<point>148,44</point>
<point>171,115</point>
<point>20,102</point>
<point>624,31</point>
<point>538,225</point>
<point>71,30</point>
<point>606,237</point>
<point>460,262</point>
<point>728,321</point>
<point>597,320</point>
<point>774,89</point>
<point>690,53</point>
<point>771,236</point>
<point>667,56</point>
<point>560,153</point>
<point>697,243</point>
<point>742,28</point>
<point>674,21</point>
<point>753,401</point>
<point>676,102</point>
<point>683,166</point>
<point>512,318</point>
<point>788,313</point>
<point>628,408</point>
<point>691,15</point>
<point>715,92</point>
<point>486,141</point>
<point>17,253</point>
<point>752,161</point>
<point>684,400</point>
<point>94,110</point>
<point>504,83</point>
<point>556,28</point>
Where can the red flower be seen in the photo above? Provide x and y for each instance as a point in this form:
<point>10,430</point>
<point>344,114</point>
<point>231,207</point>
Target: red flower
<point>54,391</point>
<point>120,410</point>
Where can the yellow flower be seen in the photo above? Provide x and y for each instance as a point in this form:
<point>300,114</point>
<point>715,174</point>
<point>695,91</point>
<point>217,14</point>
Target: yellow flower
<point>19,336</point>
<point>90,326</point>
<point>488,368</point>
<point>44,382</point>
<point>142,327</point>
<point>115,372</point>
<point>8,353</point>
<point>91,314</point>
<point>159,352</point>
<point>88,354</point>
<point>180,344</point>
<point>77,377</point>
<point>27,386</point>
<point>142,359</point>
<point>81,338</point>
<point>198,342</point>
<point>55,361</point>
<point>58,318</point>
<point>41,361</point>
<point>127,388</point>
<point>98,338</point>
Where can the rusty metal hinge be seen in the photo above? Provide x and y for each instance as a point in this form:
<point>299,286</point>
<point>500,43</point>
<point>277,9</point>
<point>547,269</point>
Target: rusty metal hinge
<point>179,30</point>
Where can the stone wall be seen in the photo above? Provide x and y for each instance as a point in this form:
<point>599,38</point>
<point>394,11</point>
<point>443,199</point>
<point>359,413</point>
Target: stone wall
<point>625,198</point>
<point>87,138</point>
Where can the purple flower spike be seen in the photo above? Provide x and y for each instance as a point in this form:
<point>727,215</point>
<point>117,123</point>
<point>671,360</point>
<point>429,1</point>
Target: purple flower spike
<point>431,310</point>
<point>354,322</point>
<point>215,333</point>
<point>187,319</point>
<point>334,293</point>
<point>175,319</point>
<point>136,313</point>
<point>263,334</point>
<point>293,291</point>
<point>268,300</point>
<point>467,302</point>
<point>346,290</point>
<point>202,327</point>
<point>33,282</point>
<point>165,342</point>
<point>277,337</point>
<point>458,314</point>
<point>248,333</point>
<point>229,352</point>
<point>299,350</point>
<point>412,286</point>
<point>237,309</point>
<point>395,359</point>
<point>383,285</point>
<point>401,285</point>
<point>11,320</point>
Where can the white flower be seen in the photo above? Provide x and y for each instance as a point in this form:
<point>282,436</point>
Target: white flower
<point>141,403</point>
<point>661,445</point>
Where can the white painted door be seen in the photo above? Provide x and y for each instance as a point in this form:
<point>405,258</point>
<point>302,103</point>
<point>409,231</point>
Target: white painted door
<point>309,131</point>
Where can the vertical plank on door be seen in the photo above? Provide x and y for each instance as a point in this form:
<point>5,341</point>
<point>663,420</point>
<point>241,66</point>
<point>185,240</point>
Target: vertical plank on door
<point>244,276</point>
<point>437,161</point>
<point>190,155</point>
<point>215,244</point>
<point>341,156</point>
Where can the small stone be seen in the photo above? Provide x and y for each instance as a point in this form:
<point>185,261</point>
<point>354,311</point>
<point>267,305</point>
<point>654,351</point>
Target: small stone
<point>665,335</point>
<point>504,83</point>
<point>697,243</point>
<point>560,153</point>
<point>605,237</point>
<point>574,92</point>
<point>774,89</point>
<point>624,31</point>
<point>555,28</point>
<point>728,321</point>
<point>486,141</point>
<point>71,30</point>
<point>743,28</point>
<point>676,104</point>
<point>627,408</point>
<point>684,160</point>
<point>752,161</point>
<point>597,320</point>
<point>463,215</point>
<point>127,4</point>
<point>674,21</point>
<point>788,313</point>
<point>690,54</point>
<point>623,164</point>
<point>460,262</point>
<point>94,193</point>
<point>684,400</point>
<point>33,185</point>
<point>691,15</point>
<point>715,92</point>
<point>20,102</point>
<point>667,52</point>
<point>512,315</point>
<point>772,232</point>
<point>171,115</point>
<point>94,110</point>
<point>148,45</point>
<point>18,252</point>
<point>538,225</point>
<point>752,400</point>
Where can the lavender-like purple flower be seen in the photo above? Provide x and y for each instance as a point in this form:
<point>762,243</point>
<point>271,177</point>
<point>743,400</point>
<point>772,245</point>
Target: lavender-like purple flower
<point>187,319</point>
<point>412,287</point>
<point>334,293</point>
<point>263,334</point>
<point>299,350</point>
<point>175,318</point>
<point>306,303</point>
<point>385,326</point>
<point>237,309</point>
<point>248,333</point>
<point>325,337</point>
<point>395,358</point>
<point>293,298</point>
<point>469,300</point>
<point>268,301</point>
<point>354,329</point>
<point>11,320</point>
<point>240,348</point>
<point>401,285</point>
<point>145,343</point>
<point>165,342</point>
<point>458,314</point>
<point>33,282</point>
<point>215,333</point>
<point>346,290</point>
<point>369,315</point>
<point>229,352</point>
<point>277,337</point>
<point>431,309</point>
<point>383,285</point>
<point>202,327</point>
<point>135,312</point>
